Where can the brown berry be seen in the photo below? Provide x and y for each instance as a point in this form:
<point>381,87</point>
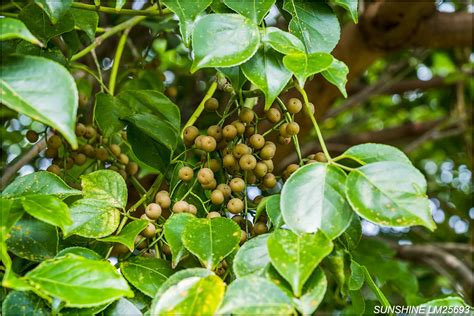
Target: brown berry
<point>186,174</point>
<point>229,132</point>
<point>180,207</point>
<point>54,142</point>
<point>210,186</point>
<point>102,154</point>
<point>235,206</point>
<point>217,197</point>
<point>90,132</point>
<point>284,140</point>
<point>229,161</point>
<point>54,169</point>
<point>292,128</point>
<point>131,168</point>
<point>225,189</point>
<point>257,141</point>
<point>213,214</point>
<point>267,152</point>
<point>240,150</point>
<point>260,169</point>
<point>247,162</point>
<point>211,104</point>
<point>294,105</point>
<point>88,150</point>
<point>243,237</point>
<point>246,115</point>
<point>215,131</point>
<point>123,159</point>
<point>51,153</point>
<point>320,157</point>
<point>260,228</point>
<point>269,164</point>
<point>190,133</point>
<point>237,185</point>
<point>192,209</point>
<point>163,199</point>
<point>80,129</point>
<point>32,136</point>
<point>282,130</point>
<point>213,164</point>
<point>149,231</point>
<point>269,181</point>
<point>208,143</point>
<point>239,126</point>
<point>273,115</point>
<point>80,159</point>
<point>153,211</point>
<point>205,176</point>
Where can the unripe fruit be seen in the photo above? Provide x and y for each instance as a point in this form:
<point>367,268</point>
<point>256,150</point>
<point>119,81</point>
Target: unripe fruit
<point>80,129</point>
<point>115,149</point>
<point>69,163</point>
<point>149,231</point>
<point>240,150</point>
<point>260,228</point>
<point>211,104</point>
<point>257,141</point>
<point>102,154</point>
<point>217,197</point>
<point>192,209</point>
<point>166,249</point>
<point>212,215</point>
<point>269,181</point>
<point>123,159</point>
<point>120,249</point>
<point>131,168</point>
<point>229,161</point>
<point>246,115</point>
<point>190,133</point>
<point>80,159</point>
<point>205,176</point>
<point>180,207</point>
<point>51,153</point>
<point>163,199</point>
<point>247,162</point>
<point>291,168</point>
<point>260,169</point>
<point>239,126</point>
<point>269,164</point>
<point>225,189</point>
<point>273,115</point>
<point>243,237</point>
<point>54,169</point>
<point>294,105</point>
<point>185,174</point>
<point>32,136</point>
<point>208,144</point>
<point>88,150</point>
<point>213,164</point>
<point>320,157</point>
<point>235,206</point>
<point>267,152</point>
<point>54,142</point>
<point>237,185</point>
<point>215,131</point>
<point>292,129</point>
<point>284,140</point>
<point>229,132</point>
<point>282,130</point>
<point>153,211</point>
<point>90,132</point>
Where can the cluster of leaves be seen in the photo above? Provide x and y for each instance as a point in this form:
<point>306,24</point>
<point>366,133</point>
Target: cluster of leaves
<point>60,237</point>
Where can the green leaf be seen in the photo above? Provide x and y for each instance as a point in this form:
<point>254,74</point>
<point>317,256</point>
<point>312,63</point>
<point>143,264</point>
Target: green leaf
<point>92,218</point>
<point>314,23</point>
<point>108,112</point>
<point>353,233</point>
<point>54,9</point>
<point>444,306</point>
<point>146,274</point>
<point>79,282</point>
<point>162,131</point>
<point>128,234</point>
<point>48,209</point>
<point>369,153</point>
<point>313,293</point>
<point>33,240</point>
<point>24,304</point>
<point>283,42</point>
<point>211,240</point>
<point>80,251</point>
<point>49,95</point>
<point>10,212</point>
<point>40,25</point>
<point>252,258</point>
<point>252,9</point>
<point>107,186</point>
<point>86,21</point>
<point>274,210</point>
<point>357,276</point>
<point>304,66</point>
<point>266,71</point>
<point>351,7</point>
<point>191,296</point>
<point>177,278</point>
<point>390,194</point>
<point>13,28</point>
<point>119,4</point>
<point>224,40</point>
<point>255,296</point>
<point>41,182</point>
<point>173,230</point>
<point>235,75</point>
<point>324,205</point>
<point>122,307</point>
<point>295,257</point>
<point>337,75</point>
<point>146,79</point>
<point>187,12</point>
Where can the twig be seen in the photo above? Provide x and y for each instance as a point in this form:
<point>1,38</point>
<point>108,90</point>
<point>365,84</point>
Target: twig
<point>152,11</point>
<point>118,56</point>
<point>200,108</point>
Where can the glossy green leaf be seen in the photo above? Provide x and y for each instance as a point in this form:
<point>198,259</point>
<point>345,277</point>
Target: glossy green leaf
<point>369,153</point>
<point>353,233</point>
<point>295,257</point>
<point>224,40</point>
<point>445,306</point>
<point>351,6</point>
<point>86,21</point>
<point>49,95</point>
<point>273,210</point>
<point>40,25</point>
<point>13,28</point>
<point>390,194</point>
<point>266,71</point>
<point>255,296</point>
<point>47,208</point>
<point>54,9</point>
<point>187,12</point>
<point>324,206</point>
<point>304,66</point>
<point>162,131</point>
<point>92,218</point>
<point>108,112</point>
<point>191,296</point>
<point>337,75</point>
<point>24,304</point>
<point>173,230</point>
<point>146,274</point>
<point>357,276</point>
<point>283,42</point>
<point>73,311</point>
<point>128,234</point>
<point>33,240</point>
<point>78,281</point>
<point>107,186</point>
<point>255,10</point>
<point>122,307</point>
<point>252,258</point>
<point>313,293</point>
<point>41,182</point>
<point>178,277</point>
<point>211,240</point>
<point>314,23</point>
<point>80,251</point>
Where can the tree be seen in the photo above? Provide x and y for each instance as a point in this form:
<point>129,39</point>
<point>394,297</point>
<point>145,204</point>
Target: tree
<point>205,157</point>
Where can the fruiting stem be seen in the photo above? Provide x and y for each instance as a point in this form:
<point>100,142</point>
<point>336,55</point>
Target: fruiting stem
<point>90,72</point>
<point>294,138</point>
<point>116,63</point>
<point>148,12</point>
<point>315,123</point>
<point>200,108</point>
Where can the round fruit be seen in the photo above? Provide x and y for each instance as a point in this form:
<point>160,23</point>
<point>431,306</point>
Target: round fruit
<point>102,154</point>
<point>180,207</point>
<point>229,132</point>
<point>215,131</point>
<point>54,142</point>
<point>166,249</point>
<point>153,211</point>
<point>238,219</point>
<point>257,200</point>
<point>208,143</point>
<point>80,129</point>
<point>90,132</point>
<point>246,115</point>
<point>260,228</point>
<point>198,141</point>
<point>211,104</point>
<point>69,163</point>
<point>269,164</point>
<point>205,176</point>
<point>131,168</point>
<point>210,186</point>
<point>260,169</point>
<point>237,185</point>
<point>240,150</point>
<point>190,133</point>
<point>273,115</point>
<point>185,174</point>
<point>294,105</point>
<point>247,162</point>
<point>192,209</point>
<point>88,150</point>
<point>51,153</point>
<point>284,140</point>
<point>311,107</point>
<point>251,178</point>
<point>32,136</point>
<point>249,130</point>
<point>163,199</point>
<point>229,161</point>
<point>267,152</point>
<point>123,159</point>
<point>269,181</point>
<point>217,197</point>
<point>235,206</point>
<point>292,168</point>
<point>54,169</point>
<point>80,159</point>
<point>257,141</point>
<point>239,126</point>
<point>292,129</point>
<point>243,237</point>
<point>149,231</point>
<point>320,157</point>
<point>213,214</point>
<point>120,249</point>
<point>225,189</point>
<point>143,216</point>
<point>213,164</point>
<point>282,130</point>
<point>140,242</point>
<point>115,149</point>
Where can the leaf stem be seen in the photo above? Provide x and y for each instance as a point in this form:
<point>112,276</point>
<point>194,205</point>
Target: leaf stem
<point>315,123</point>
<point>152,11</point>
<point>200,108</point>
<point>118,56</point>
<point>378,293</point>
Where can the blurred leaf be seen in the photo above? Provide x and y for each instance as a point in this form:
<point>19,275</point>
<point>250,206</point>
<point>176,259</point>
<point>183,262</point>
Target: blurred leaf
<point>179,276</point>
<point>119,4</point>
<point>24,303</point>
<point>122,307</point>
<point>369,153</point>
<point>273,210</point>
<point>351,7</point>
<point>108,112</point>
<point>313,293</point>
<point>252,258</point>
<point>86,21</point>
<point>80,251</point>
<point>54,9</point>
<point>13,28</point>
